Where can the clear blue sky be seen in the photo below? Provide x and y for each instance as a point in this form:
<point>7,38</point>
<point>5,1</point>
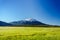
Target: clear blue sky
<point>46,11</point>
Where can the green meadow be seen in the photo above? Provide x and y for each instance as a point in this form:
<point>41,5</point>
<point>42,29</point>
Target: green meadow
<point>29,33</point>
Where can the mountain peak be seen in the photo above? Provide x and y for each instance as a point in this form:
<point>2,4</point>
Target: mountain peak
<point>30,19</point>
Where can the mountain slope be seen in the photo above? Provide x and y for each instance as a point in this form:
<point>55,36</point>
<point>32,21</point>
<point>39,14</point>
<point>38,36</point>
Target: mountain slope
<point>29,21</point>
<point>4,23</point>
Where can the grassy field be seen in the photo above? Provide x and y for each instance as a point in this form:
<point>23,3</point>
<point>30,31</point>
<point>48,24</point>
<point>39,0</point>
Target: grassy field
<point>29,33</point>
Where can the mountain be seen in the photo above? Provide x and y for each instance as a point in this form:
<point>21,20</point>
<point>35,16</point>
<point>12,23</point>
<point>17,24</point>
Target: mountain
<point>4,23</point>
<point>29,21</point>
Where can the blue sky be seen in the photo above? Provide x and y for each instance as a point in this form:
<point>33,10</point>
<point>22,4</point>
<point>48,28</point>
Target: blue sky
<point>46,11</point>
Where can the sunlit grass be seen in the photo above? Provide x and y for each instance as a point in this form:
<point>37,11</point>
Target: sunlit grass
<point>29,33</point>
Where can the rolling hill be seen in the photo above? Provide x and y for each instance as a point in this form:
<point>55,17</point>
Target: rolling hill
<point>4,24</point>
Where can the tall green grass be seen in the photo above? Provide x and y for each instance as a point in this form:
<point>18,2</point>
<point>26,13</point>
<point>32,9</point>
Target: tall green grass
<point>29,33</point>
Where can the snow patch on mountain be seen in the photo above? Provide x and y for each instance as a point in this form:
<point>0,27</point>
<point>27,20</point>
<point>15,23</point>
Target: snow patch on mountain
<point>30,19</point>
